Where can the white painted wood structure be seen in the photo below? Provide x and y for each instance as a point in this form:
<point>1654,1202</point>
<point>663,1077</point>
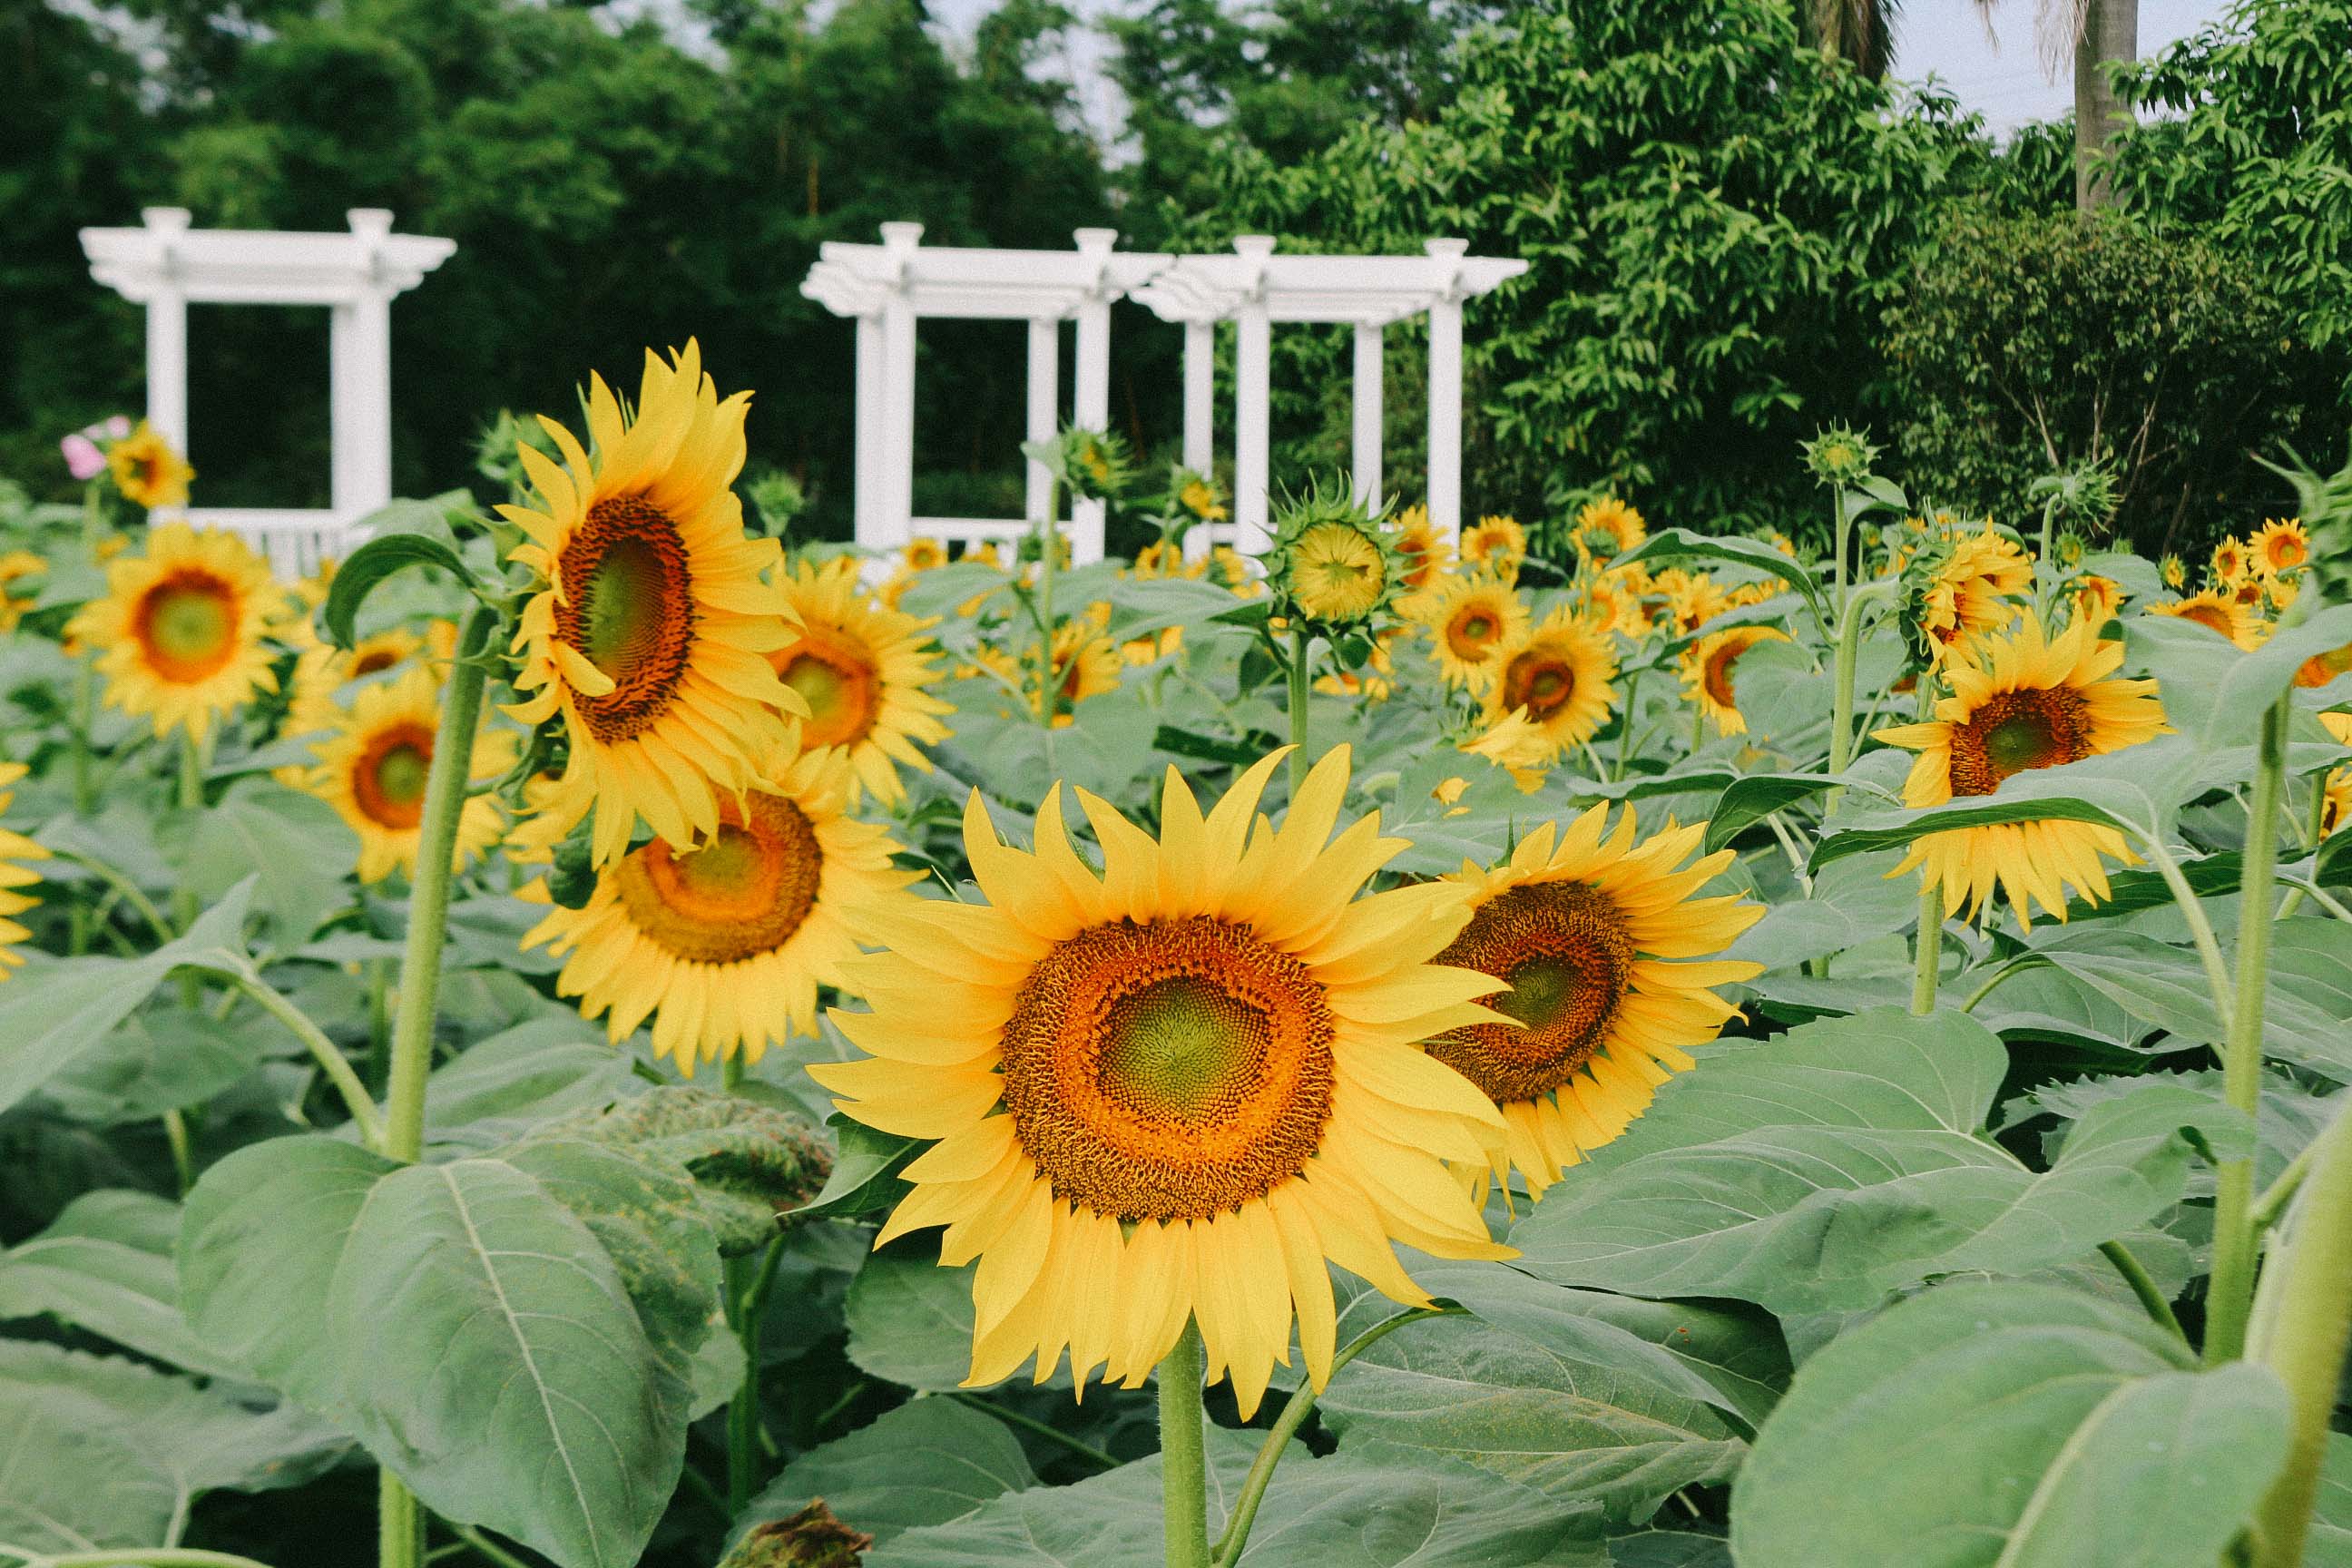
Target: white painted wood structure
<point>887,288</point>
<point>167,266</point>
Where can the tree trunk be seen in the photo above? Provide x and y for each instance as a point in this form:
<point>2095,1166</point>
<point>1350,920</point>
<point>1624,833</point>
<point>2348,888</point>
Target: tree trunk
<point>2110,32</point>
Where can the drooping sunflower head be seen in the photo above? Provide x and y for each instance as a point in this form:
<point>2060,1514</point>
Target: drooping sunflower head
<point>14,876</point>
<point>1495,545</point>
<point>372,766</point>
<point>147,470</point>
<point>862,671</point>
<point>2018,703</point>
<point>1706,669</point>
<point>724,944</point>
<point>1177,1088</point>
<point>1469,620</point>
<point>648,631</point>
<point>2282,546</point>
<point>1559,675</point>
<point>1332,563</point>
<point>1195,498</point>
<point>2219,610</point>
<point>179,633</point>
<point>1607,528</point>
<point>1425,551</point>
<point>1585,927</point>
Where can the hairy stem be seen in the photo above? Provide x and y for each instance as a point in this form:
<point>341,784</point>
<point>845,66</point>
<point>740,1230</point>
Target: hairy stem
<point>1299,689</point>
<point>1927,949</point>
<point>1183,1464</point>
<point>2231,1295</point>
<point>2144,1286</point>
<point>2305,1321</point>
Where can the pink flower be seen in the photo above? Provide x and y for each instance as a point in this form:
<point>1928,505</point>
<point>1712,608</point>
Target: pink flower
<point>83,459</point>
<point>118,428</point>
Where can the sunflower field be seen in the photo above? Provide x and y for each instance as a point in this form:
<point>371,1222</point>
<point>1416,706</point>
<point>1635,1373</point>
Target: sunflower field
<point>594,1032</point>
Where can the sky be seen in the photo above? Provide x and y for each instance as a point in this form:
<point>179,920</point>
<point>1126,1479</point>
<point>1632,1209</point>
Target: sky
<point>1999,75</point>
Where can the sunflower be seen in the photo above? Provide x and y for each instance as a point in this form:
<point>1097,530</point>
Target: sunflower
<point>1607,528</point>
<point>2322,668</point>
<point>1559,675</point>
<point>1969,593</point>
<point>1165,558</point>
<point>2230,560</point>
<point>1197,494</point>
<point>1693,599</point>
<point>179,632</point>
<point>14,567</point>
<point>1706,671</point>
<point>1614,604</point>
<point>724,945</point>
<point>14,848</point>
<point>1336,573</point>
<point>2021,701</point>
<point>1583,926</point>
<point>147,470</point>
<point>648,631</point>
<point>321,672</point>
<point>371,768</point>
<point>1469,620</point>
<point>862,671</point>
<point>1496,544</point>
<point>1515,744</point>
<point>2218,609</point>
<point>1086,664</point>
<point>2173,572</point>
<point>2098,599</point>
<point>2280,546</point>
<point>1231,569</point>
<point>1426,553</point>
<point>1176,1091</point>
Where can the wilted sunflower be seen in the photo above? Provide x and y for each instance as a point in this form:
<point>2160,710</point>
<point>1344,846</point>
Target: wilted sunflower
<point>1607,528</point>
<point>862,671</point>
<point>1496,544</point>
<point>724,945</point>
<point>2217,610</point>
<point>1559,675</point>
<point>1586,931</point>
<point>147,470</point>
<point>1425,551</point>
<point>1179,1089</point>
<point>322,670</point>
<point>15,849</point>
<point>372,769</point>
<point>2021,702</point>
<point>1707,668</point>
<point>2280,547</point>
<point>649,630</point>
<point>1469,620</point>
<point>179,632</point>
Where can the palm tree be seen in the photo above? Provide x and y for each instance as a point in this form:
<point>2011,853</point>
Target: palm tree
<point>2093,33</point>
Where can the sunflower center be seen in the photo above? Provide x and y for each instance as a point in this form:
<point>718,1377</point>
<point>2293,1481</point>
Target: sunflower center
<point>388,781</point>
<point>187,626</point>
<point>374,661</point>
<point>1566,951</point>
<point>1170,1070</point>
<point>2015,732</point>
<point>629,609</point>
<point>743,892</point>
<point>837,681</point>
<point>1718,675</point>
<point>1538,682</point>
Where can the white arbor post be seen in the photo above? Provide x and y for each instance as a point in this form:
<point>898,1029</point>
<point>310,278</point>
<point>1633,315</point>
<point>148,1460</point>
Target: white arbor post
<point>1199,452</point>
<point>165,264</point>
<point>1367,444</point>
<point>1090,397</point>
<point>1445,392</point>
<point>1252,355</point>
<point>866,497</point>
<point>895,520</point>
<point>1045,409</point>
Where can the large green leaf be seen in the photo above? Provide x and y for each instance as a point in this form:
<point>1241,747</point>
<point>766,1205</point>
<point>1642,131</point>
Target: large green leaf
<point>2329,1544</point>
<point>105,1265</point>
<point>51,1014</point>
<point>911,1321</point>
<point>1850,903</point>
<point>68,1488</point>
<point>1673,544</point>
<point>296,844</point>
<point>165,1058</point>
<point>499,1088</point>
<point>2008,1425</point>
<point>1788,1185</point>
<point>925,1463</point>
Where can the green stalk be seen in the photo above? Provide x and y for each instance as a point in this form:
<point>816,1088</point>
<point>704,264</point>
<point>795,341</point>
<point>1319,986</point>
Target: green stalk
<point>1927,952</point>
<point>1183,1461</point>
<point>1286,1427</point>
<point>1300,684</point>
<point>1048,541</point>
<point>1839,524</point>
<point>331,1060</point>
<point>1849,644</point>
<point>85,718</point>
<point>183,896</point>
<point>2232,1292</point>
<point>743,1313</point>
<point>2306,1319</point>
<point>1625,723</point>
<point>399,1523</point>
<point>2144,1285</point>
<point>2044,569</point>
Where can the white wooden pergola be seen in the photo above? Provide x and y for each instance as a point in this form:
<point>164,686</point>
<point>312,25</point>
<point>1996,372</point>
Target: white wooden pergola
<point>887,288</point>
<point>167,266</point>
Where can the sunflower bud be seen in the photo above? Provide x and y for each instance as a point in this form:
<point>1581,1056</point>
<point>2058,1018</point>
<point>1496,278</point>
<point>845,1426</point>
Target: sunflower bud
<point>1333,565</point>
<point>1839,455</point>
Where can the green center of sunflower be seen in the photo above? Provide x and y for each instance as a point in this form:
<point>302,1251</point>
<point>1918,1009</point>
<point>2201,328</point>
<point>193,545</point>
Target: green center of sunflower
<point>621,606</point>
<point>725,864</point>
<point>1180,1047</point>
<point>819,684</point>
<point>629,611</point>
<point>399,774</point>
<point>1567,955</point>
<point>2015,732</point>
<point>188,625</point>
<point>1478,628</point>
<point>2021,741</point>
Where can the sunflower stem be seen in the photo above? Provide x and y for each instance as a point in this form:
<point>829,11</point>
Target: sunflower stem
<point>2305,1321</point>
<point>1286,1427</point>
<point>183,896</point>
<point>1048,688</point>
<point>332,1062</point>
<point>1927,952</point>
<point>2042,565</point>
<point>2200,927</point>
<point>400,1524</point>
<point>1849,644</point>
<point>1625,723</point>
<point>2232,1292</point>
<point>1183,1468</point>
<point>2144,1286</point>
<point>1300,670</point>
